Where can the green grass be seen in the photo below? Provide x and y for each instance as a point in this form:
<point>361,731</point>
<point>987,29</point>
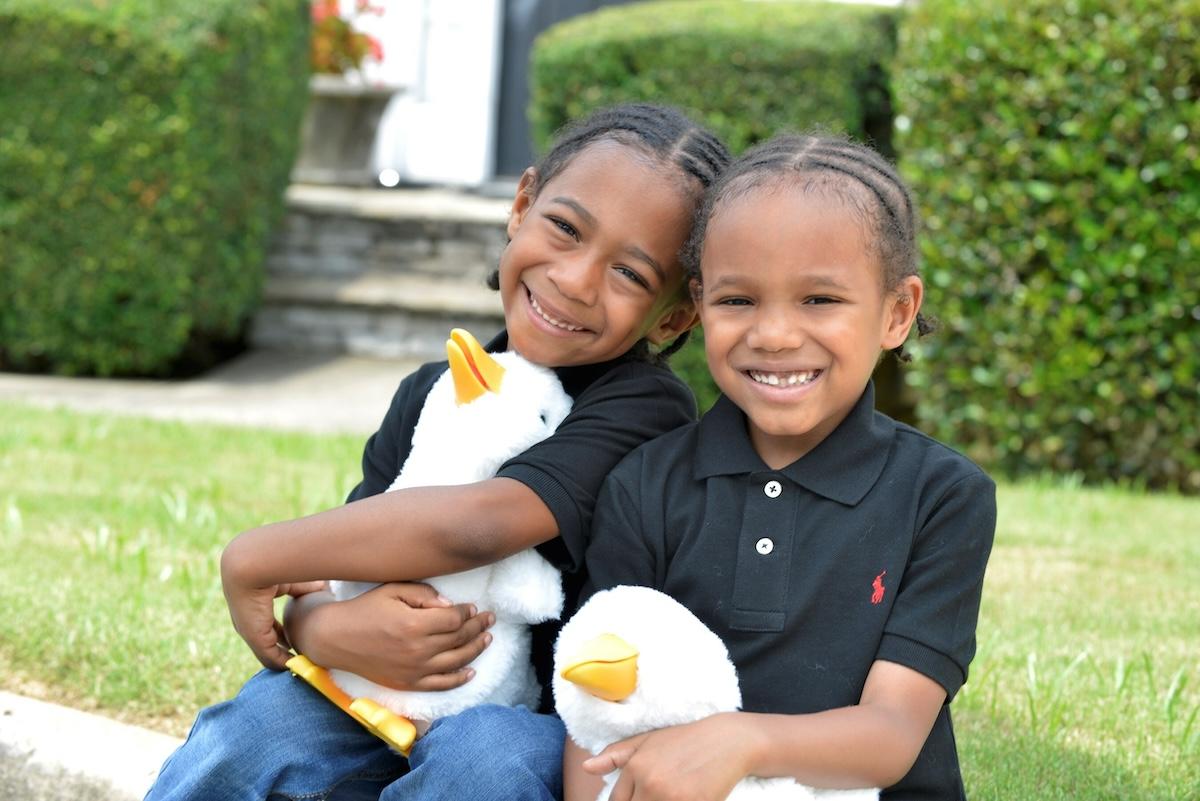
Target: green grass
<point>1086,686</point>
<point>111,529</point>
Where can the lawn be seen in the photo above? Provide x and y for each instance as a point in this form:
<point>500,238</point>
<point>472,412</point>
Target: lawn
<point>1086,686</point>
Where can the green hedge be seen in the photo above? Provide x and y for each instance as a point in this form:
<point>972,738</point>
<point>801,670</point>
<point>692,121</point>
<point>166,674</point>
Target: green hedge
<point>747,70</point>
<point>144,149</point>
<point>1055,147</point>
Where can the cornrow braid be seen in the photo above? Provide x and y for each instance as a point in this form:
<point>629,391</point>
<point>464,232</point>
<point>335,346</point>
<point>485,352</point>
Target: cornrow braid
<point>826,163</point>
<point>665,134</point>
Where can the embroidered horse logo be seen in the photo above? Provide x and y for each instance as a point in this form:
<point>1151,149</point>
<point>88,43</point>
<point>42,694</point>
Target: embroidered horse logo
<point>877,586</point>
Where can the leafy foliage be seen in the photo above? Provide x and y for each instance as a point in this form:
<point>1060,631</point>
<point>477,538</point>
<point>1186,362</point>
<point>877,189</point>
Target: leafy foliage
<point>144,149</point>
<point>747,70</point>
<point>1055,149</point>
<point>336,46</point>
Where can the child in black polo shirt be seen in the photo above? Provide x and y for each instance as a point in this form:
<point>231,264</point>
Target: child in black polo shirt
<point>839,554</point>
<point>590,279</point>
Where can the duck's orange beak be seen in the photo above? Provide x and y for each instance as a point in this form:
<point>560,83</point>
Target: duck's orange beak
<point>474,371</point>
<point>606,667</point>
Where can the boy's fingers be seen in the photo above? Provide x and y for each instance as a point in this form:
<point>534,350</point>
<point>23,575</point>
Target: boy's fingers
<point>444,681</point>
<point>299,588</point>
<point>272,655</point>
<point>466,633</point>
<point>449,619</point>
<point>457,658</point>
<point>416,594</point>
<point>614,756</point>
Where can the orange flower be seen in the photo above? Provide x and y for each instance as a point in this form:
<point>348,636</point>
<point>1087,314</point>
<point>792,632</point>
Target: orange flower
<point>337,46</point>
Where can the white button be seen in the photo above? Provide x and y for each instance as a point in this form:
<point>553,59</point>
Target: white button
<point>764,546</point>
<point>772,489</point>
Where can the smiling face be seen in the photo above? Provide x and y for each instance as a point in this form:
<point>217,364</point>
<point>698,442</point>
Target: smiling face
<point>795,313</point>
<point>592,262</point>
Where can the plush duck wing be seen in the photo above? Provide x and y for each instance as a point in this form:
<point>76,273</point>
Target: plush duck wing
<point>632,660</point>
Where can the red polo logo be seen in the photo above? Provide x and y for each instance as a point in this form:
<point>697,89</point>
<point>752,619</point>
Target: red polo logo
<point>877,585</point>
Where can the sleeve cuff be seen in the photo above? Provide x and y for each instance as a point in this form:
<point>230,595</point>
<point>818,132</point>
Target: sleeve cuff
<point>566,550</point>
<point>923,659</point>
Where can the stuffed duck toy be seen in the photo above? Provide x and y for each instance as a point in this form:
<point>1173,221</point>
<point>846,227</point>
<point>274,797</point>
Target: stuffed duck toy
<point>482,411</point>
<point>632,660</point>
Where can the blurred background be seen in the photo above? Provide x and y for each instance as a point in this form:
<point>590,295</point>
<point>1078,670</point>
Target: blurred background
<point>182,180</point>
<point>185,182</point>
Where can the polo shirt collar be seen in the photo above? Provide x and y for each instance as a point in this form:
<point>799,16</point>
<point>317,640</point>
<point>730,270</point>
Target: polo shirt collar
<point>843,467</point>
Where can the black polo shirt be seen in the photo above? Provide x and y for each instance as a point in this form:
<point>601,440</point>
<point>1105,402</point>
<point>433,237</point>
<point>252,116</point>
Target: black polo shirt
<point>871,546</point>
<point>617,405</point>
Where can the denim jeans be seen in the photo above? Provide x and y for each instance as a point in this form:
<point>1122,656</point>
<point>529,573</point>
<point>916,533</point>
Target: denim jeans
<point>280,739</point>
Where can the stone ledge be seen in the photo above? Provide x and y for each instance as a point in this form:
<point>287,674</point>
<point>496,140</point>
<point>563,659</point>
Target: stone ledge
<point>375,290</point>
<point>395,204</point>
<point>92,753</point>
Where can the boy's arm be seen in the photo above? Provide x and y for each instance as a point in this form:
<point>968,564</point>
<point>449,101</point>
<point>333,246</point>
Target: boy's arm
<point>872,744</point>
<point>578,784</point>
<point>404,535</point>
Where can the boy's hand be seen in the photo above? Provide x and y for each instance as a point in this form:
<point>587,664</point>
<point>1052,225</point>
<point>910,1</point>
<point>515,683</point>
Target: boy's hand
<point>695,761</point>
<point>401,635</point>
<point>252,610</point>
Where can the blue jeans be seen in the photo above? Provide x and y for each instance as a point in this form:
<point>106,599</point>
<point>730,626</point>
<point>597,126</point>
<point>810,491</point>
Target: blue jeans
<point>280,739</point>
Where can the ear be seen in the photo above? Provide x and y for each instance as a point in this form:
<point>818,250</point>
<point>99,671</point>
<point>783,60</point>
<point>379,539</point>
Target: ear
<point>900,311</point>
<point>679,317</point>
<point>522,201</point>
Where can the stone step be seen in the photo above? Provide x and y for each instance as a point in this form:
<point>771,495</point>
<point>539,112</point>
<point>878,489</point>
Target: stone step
<point>385,315</point>
<point>379,272</point>
<point>346,231</point>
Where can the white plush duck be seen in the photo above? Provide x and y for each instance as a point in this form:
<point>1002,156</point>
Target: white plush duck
<point>484,410</point>
<point>632,660</point>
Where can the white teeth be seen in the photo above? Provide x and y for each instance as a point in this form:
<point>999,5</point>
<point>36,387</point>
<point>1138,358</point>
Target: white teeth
<point>551,320</point>
<point>784,379</point>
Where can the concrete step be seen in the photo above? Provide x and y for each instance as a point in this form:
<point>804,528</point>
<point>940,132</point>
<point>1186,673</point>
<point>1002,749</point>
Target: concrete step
<point>344,231</point>
<point>381,272</point>
<point>385,315</point>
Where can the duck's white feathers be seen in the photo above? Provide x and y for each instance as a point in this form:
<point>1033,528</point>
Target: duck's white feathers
<point>455,444</point>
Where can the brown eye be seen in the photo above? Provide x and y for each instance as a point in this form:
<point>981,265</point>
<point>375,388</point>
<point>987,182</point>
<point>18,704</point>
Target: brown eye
<point>632,275</point>
<point>565,227</point>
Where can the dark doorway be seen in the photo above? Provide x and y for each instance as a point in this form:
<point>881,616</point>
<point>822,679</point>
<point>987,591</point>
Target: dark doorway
<point>523,21</point>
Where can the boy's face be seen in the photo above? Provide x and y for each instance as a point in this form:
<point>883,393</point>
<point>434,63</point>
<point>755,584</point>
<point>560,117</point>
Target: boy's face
<point>795,315</point>
<point>592,262</point>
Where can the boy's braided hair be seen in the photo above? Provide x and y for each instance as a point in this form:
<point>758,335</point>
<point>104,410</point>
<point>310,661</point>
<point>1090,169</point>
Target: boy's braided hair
<point>662,132</point>
<point>857,174</point>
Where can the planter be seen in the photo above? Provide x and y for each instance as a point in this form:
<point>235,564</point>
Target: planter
<point>338,134</point>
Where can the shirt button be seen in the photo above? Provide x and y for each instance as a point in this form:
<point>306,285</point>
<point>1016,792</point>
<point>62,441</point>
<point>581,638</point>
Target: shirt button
<point>772,489</point>
<point>764,546</point>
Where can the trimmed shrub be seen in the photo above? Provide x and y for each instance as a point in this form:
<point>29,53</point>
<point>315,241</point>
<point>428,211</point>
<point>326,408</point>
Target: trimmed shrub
<point>746,70</point>
<point>1055,147</point>
<point>144,149</point>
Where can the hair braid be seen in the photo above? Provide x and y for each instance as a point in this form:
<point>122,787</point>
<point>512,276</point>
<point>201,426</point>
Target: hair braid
<point>827,163</point>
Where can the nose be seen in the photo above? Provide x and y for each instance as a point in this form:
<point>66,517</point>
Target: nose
<point>776,328</point>
<point>577,277</point>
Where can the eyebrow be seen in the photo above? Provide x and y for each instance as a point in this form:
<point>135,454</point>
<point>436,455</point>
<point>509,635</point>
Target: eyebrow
<point>828,281</point>
<point>821,281</point>
<point>578,209</point>
<point>632,250</point>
